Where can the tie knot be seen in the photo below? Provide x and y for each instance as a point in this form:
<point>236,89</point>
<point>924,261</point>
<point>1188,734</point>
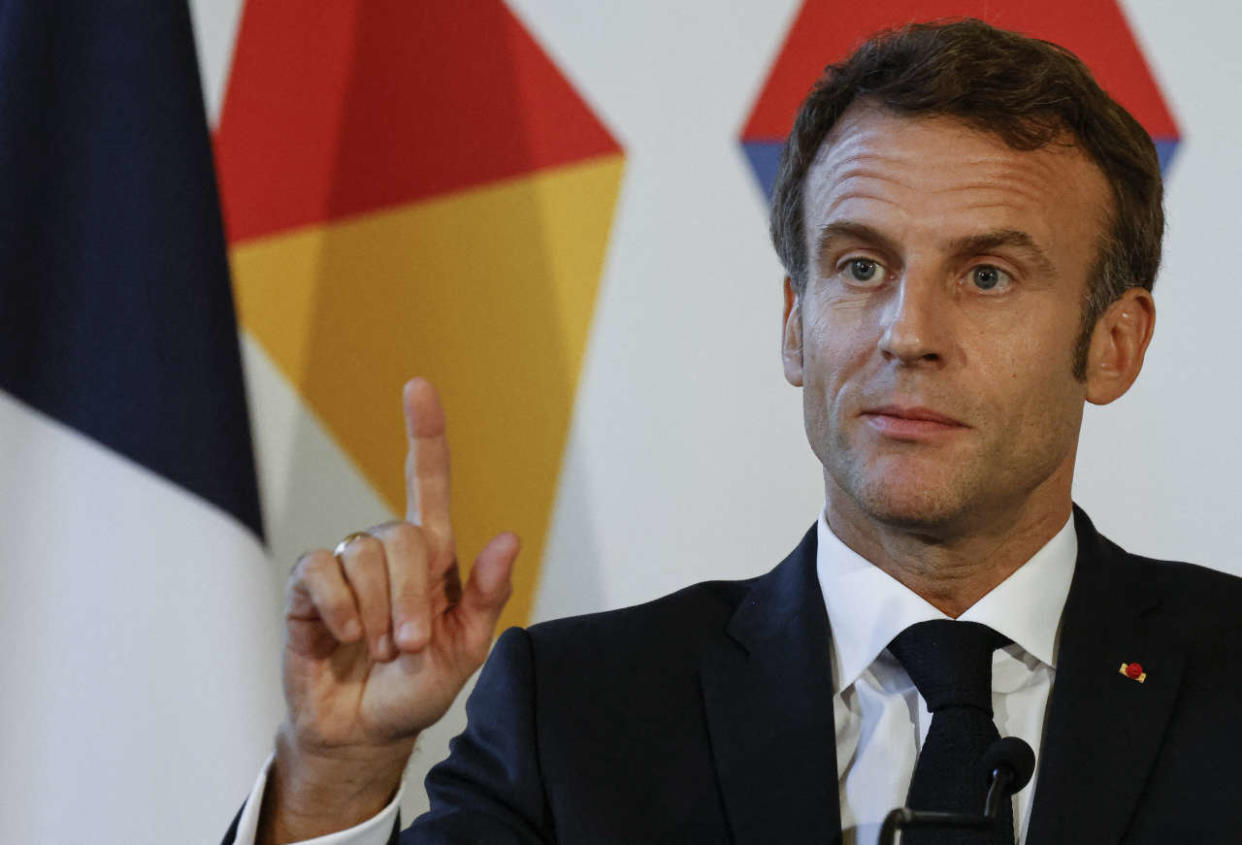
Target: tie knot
<point>950,662</point>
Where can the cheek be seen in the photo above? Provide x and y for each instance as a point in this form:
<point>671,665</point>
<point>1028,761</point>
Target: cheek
<point>1027,348</point>
<point>833,360</point>
<point>1018,370</point>
<point>1040,396</point>
<point>836,345</point>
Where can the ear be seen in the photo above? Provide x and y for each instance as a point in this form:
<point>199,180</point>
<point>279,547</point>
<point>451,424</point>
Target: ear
<point>791,335</point>
<point>1118,343</point>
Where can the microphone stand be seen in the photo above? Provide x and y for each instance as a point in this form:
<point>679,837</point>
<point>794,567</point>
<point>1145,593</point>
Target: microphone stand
<point>903,817</point>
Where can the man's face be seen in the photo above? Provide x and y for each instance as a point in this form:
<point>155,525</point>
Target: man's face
<point>935,337</point>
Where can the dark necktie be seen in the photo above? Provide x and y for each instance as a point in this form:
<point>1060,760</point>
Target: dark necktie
<point>951,664</point>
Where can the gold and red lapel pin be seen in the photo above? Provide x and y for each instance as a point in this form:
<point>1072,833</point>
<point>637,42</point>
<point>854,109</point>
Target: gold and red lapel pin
<point>1133,671</point>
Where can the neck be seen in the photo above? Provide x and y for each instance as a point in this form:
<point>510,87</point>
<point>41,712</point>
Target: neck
<point>951,566</point>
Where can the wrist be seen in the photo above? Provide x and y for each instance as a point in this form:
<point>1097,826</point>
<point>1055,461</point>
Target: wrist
<point>313,792</point>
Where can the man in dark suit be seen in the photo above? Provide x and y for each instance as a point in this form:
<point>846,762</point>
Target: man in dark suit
<point>971,230</point>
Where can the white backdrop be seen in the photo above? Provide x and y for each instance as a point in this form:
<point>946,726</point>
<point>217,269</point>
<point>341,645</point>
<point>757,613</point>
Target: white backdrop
<point>686,458</point>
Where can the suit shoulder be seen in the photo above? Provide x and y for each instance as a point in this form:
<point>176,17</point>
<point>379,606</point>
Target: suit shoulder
<point>1191,580</point>
<point>1204,597</point>
<point>680,622</point>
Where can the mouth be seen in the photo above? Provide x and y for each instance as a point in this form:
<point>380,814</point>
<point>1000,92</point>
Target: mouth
<point>911,423</point>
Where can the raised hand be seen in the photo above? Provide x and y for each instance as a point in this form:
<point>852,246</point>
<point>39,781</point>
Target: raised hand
<point>381,637</point>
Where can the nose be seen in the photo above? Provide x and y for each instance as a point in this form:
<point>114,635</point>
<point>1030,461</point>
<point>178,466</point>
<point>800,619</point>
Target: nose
<point>915,322</point>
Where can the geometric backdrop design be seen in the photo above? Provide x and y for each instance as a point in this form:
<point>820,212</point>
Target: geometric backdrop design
<point>826,31</point>
<point>416,189</point>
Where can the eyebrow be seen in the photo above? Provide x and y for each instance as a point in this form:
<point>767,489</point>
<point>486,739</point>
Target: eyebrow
<point>964,246</point>
<point>854,231</point>
<point>989,241</point>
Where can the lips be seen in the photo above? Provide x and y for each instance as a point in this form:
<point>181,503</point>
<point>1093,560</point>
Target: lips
<point>911,423</point>
<point>918,413</point>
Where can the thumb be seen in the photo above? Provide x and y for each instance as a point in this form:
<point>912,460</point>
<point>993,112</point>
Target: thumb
<point>488,590</point>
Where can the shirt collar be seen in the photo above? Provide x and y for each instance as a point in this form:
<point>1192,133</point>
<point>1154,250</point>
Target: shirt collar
<point>867,607</point>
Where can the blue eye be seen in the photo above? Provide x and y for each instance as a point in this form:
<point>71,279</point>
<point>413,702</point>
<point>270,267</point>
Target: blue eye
<point>863,269</point>
<point>987,277</point>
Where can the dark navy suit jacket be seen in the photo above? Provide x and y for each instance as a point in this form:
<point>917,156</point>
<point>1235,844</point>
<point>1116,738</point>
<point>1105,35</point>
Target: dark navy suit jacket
<point>706,716</point>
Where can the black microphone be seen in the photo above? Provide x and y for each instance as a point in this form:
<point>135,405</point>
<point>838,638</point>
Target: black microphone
<point>1008,764</point>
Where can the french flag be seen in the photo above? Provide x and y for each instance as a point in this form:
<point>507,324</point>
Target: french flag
<point>138,630</point>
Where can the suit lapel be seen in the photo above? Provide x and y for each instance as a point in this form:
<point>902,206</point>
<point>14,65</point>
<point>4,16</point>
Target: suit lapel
<point>767,689</point>
<point>1103,729</point>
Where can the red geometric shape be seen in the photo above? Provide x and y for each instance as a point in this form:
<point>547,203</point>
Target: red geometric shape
<point>1133,670</point>
<point>339,108</point>
<point>828,30</point>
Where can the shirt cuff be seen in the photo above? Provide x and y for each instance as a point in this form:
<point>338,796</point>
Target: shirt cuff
<point>373,831</point>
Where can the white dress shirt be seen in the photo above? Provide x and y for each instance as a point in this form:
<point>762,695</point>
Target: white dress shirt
<point>881,720</point>
<point>373,831</point>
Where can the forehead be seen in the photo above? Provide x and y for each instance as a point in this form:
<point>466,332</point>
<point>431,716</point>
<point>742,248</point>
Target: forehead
<point>913,176</point>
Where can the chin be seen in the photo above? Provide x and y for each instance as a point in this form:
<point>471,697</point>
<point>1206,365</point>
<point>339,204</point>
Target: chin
<point>919,509</point>
<point>907,499</point>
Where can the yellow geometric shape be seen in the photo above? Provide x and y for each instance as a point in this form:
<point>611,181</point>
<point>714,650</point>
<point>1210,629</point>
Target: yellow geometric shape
<point>489,293</point>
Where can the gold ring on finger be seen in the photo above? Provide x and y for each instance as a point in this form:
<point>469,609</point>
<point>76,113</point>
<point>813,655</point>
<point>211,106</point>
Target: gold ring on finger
<point>349,538</point>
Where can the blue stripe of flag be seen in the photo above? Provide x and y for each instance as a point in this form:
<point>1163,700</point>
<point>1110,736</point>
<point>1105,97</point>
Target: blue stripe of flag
<point>116,315</point>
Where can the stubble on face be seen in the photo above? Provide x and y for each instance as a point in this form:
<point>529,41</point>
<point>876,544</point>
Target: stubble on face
<point>907,193</point>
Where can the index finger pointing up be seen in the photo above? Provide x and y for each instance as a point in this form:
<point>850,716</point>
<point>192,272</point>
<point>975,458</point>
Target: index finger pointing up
<point>427,462</point>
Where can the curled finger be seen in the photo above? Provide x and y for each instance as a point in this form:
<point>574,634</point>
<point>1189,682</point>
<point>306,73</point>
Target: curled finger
<point>318,591</point>
<point>363,562</point>
<point>407,552</point>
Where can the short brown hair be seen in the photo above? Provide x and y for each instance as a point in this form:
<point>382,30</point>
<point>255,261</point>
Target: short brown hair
<point>1023,90</point>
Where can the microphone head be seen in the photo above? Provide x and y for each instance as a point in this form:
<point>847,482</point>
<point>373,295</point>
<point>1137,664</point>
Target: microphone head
<point>1014,754</point>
